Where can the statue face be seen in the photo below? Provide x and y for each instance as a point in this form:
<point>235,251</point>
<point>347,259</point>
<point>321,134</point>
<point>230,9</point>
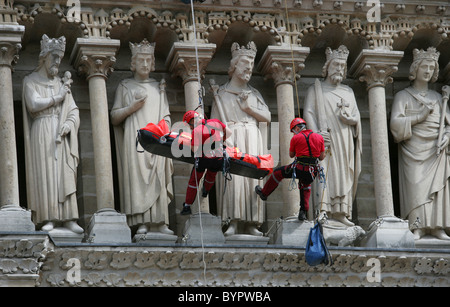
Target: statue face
<point>426,70</point>
<point>52,62</point>
<point>143,64</point>
<point>336,71</point>
<point>244,68</point>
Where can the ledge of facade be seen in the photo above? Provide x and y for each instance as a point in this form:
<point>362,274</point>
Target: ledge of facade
<point>33,260</point>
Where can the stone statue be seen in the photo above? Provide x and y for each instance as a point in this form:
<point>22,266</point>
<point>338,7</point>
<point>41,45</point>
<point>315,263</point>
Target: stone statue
<point>420,124</point>
<point>51,122</point>
<point>331,110</point>
<point>242,108</point>
<point>145,180</point>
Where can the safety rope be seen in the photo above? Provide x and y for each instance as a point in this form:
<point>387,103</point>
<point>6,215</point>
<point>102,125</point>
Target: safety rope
<point>200,105</point>
<point>292,57</point>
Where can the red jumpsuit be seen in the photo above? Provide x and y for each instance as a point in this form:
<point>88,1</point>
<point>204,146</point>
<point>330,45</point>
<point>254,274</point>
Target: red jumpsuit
<point>307,146</point>
<point>210,135</point>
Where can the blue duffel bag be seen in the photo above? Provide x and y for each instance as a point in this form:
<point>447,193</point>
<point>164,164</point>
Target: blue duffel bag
<point>316,248</point>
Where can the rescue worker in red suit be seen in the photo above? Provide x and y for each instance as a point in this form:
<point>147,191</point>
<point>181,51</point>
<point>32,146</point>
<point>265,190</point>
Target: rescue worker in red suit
<point>308,148</point>
<point>208,137</point>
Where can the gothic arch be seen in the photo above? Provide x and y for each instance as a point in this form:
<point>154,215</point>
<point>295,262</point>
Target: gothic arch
<point>241,27</point>
<point>52,21</point>
<point>142,22</point>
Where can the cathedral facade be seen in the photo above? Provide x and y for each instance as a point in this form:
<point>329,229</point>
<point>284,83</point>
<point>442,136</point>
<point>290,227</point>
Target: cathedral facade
<point>191,45</point>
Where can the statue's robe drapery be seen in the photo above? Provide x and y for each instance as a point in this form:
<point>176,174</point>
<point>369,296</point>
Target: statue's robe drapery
<point>423,175</point>
<point>51,160</point>
<point>238,200</point>
<point>342,165</point>
<point>145,180</point>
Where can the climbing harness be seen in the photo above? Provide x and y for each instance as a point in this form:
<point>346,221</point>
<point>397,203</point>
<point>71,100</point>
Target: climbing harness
<point>307,163</point>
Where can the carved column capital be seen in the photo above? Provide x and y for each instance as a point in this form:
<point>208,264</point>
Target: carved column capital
<point>283,64</point>
<point>376,67</point>
<point>10,44</point>
<point>182,60</point>
<point>95,57</point>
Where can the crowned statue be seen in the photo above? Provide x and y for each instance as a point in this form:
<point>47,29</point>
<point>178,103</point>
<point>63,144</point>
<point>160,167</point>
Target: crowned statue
<point>145,179</point>
<point>331,110</point>
<point>51,123</point>
<point>420,124</point>
<point>242,108</point>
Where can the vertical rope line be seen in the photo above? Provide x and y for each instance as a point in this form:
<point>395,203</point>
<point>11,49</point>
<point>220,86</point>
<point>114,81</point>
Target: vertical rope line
<point>292,57</point>
<point>203,111</point>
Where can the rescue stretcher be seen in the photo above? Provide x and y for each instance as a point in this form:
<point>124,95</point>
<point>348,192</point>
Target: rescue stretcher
<point>158,140</point>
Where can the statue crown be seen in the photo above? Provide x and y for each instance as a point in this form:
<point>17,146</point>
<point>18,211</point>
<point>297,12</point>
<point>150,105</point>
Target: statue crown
<point>50,44</point>
<point>144,47</point>
<point>249,50</point>
<point>340,53</point>
<point>430,54</point>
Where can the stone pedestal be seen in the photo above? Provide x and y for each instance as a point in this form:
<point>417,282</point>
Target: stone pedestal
<point>292,232</point>
<point>430,242</point>
<point>389,232</point>
<point>243,239</point>
<point>15,219</point>
<point>203,227</point>
<point>108,226</point>
<point>60,235</point>
<point>155,238</point>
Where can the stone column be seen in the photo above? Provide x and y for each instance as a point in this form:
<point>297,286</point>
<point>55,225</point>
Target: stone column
<point>375,67</point>
<point>95,57</point>
<point>182,62</point>
<point>12,216</point>
<point>282,64</point>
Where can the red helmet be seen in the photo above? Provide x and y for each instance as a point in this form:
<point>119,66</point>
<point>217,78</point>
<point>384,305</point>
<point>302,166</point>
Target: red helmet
<point>297,121</point>
<point>189,115</point>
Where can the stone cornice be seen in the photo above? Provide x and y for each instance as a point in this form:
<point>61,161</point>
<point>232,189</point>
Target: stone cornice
<point>306,17</point>
<point>240,267</point>
<point>413,7</point>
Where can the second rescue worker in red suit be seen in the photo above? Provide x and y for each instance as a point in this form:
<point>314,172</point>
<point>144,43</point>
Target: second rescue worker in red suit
<point>307,147</point>
<point>207,146</point>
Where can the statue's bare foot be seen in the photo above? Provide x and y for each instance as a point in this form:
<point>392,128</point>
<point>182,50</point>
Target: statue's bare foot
<point>48,227</point>
<point>440,234</point>
<point>418,233</point>
<point>231,229</point>
<point>142,230</point>
<point>165,229</point>
<point>343,219</point>
<point>73,226</point>
<point>253,230</point>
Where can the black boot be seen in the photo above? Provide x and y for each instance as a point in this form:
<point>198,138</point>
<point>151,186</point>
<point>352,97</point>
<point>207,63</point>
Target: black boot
<point>186,209</point>
<point>302,215</point>
<point>204,192</point>
<point>258,191</point>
